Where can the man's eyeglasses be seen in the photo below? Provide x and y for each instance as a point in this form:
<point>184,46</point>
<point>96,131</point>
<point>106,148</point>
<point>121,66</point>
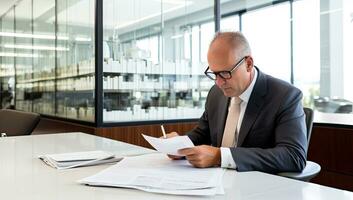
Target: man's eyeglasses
<point>223,74</point>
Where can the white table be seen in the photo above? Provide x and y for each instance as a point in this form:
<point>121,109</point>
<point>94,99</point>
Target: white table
<point>24,177</point>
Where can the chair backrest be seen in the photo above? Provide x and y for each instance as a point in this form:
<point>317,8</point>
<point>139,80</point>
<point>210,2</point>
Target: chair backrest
<point>13,122</point>
<point>309,118</point>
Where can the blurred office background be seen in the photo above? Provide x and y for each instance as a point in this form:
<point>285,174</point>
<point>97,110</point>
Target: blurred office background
<point>154,54</point>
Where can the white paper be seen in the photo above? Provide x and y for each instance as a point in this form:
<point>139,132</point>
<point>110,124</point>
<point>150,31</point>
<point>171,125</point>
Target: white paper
<point>219,190</point>
<point>80,156</point>
<point>157,173</point>
<point>169,145</point>
<point>78,159</point>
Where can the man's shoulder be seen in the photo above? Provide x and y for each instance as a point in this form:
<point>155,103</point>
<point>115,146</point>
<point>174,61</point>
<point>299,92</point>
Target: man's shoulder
<point>215,94</point>
<point>279,93</point>
<point>215,91</point>
<point>276,84</point>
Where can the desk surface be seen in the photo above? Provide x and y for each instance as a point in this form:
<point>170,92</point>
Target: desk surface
<point>24,176</point>
<point>334,119</point>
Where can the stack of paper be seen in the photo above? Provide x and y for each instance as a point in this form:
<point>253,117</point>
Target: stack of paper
<point>157,173</point>
<point>78,159</point>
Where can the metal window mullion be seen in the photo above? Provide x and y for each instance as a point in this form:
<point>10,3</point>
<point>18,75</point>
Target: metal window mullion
<point>98,90</point>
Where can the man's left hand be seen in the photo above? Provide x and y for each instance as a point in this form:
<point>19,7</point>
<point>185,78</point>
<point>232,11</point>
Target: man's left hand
<point>202,156</point>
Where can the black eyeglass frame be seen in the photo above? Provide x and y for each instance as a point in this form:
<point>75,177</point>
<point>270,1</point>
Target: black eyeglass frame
<point>227,73</point>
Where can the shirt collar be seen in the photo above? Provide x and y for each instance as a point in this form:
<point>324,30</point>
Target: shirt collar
<point>245,96</point>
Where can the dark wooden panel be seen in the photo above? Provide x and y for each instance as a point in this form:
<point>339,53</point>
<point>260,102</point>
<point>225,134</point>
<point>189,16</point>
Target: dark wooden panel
<point>332,148</point>
<point>333,179</point>
<point>132,134</point>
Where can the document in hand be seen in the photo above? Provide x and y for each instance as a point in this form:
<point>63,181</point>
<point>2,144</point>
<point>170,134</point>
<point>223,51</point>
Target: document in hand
<point>78,159</point>
<point>156,173</point>
<point>169,145</point>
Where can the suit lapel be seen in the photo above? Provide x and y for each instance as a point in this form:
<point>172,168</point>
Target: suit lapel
<point>254,106</point>
<point>223,112</point>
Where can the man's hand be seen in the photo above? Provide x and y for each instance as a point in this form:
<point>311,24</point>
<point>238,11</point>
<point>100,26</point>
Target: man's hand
<point>170,135</point>
<point>202,156</point>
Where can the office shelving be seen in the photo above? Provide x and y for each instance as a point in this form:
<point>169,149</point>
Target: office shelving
<point>88,69</point>
<point>144,90</point>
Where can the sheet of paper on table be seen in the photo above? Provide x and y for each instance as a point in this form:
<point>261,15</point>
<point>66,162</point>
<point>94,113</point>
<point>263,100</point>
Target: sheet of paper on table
<point>157,173</point>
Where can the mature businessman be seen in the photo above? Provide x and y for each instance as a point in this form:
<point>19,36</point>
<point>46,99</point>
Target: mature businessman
<point>252,121</point>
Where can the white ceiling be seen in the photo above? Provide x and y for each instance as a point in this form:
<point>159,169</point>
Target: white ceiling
<point>81,12</point>
<point>5,5</point>
<point>122,13</point>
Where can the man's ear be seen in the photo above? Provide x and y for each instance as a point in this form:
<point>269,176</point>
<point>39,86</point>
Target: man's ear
<point>249,64</point>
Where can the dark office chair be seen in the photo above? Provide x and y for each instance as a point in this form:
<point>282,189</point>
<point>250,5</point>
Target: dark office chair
<point>14,123</point>
<point>311,169</point>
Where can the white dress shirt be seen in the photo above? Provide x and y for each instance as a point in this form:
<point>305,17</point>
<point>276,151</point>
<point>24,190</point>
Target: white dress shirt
<point>227,160</point>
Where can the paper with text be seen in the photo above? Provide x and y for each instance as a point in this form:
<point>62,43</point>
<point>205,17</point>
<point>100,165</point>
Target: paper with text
<point>157,173</point>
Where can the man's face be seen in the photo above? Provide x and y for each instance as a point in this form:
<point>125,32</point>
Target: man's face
<point>221,57</point>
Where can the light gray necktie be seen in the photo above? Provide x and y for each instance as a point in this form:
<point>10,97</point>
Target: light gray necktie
<point>229,135</point>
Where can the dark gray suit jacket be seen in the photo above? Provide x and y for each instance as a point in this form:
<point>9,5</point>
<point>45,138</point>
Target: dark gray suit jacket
<point>272,136</point>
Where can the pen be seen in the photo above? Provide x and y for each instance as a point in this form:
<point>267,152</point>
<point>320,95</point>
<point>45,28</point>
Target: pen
<point>163,131</point>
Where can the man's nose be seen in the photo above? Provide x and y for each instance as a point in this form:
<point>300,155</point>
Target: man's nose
<point>220,81</point>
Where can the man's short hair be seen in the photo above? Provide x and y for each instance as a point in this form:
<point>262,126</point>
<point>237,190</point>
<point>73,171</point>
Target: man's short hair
<point>237,41</point>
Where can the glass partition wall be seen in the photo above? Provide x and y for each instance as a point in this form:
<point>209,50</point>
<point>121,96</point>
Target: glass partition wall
<point>43,96</point>
<point>49,50</point>
<point>75,67</point>
<point>152,59</point>
<point>23,58</point>
<point>144,61</point>
<point>7,69</point>
<point>152,67</point>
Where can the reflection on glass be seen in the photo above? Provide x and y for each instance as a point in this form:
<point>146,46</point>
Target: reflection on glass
<point>153,68</point>
<point>155,52</point>
<point>306,58</point>
<point>23,64</point>
<point>347,21</point>
<point>43,94</point>
<point>207,31</point>
<point>270,46</point>
<point>230,23</point>
<point>75,64</point>
<point>54,71</point>
<point>7,68</point>
<point>321,54</point>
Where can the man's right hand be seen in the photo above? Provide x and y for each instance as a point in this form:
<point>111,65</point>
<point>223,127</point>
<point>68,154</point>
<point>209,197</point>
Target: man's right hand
<point>170,135</point>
